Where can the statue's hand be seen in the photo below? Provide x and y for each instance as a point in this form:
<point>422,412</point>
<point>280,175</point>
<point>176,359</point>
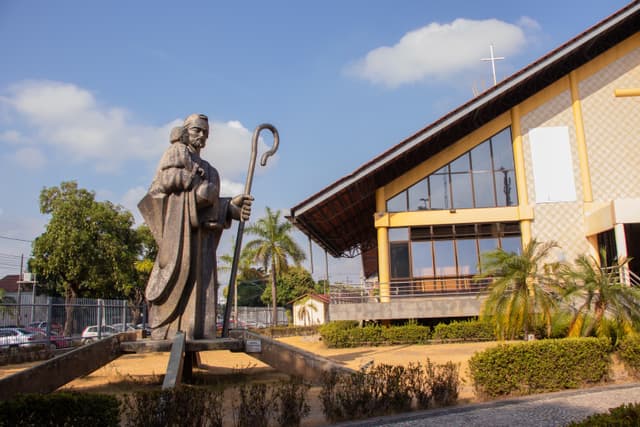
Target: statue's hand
<point>242,203</point>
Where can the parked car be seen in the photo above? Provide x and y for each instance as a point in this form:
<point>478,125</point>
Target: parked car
<point>90,333</point>
<point>43,326</point>
<point>20,337</point>
<point>55,337</point>
<point>127,328</point>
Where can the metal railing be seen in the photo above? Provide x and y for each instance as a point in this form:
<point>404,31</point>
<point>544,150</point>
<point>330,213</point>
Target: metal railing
<point>420,288</point>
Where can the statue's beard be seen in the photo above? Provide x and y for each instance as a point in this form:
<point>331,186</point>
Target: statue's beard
<point>198,144</point>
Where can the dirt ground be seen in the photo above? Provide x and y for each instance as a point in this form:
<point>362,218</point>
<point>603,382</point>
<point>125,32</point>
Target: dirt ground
<point>137,371</point>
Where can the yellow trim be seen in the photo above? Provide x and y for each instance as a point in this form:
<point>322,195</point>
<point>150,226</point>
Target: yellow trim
<point>444,157</point>
<point>526,212</point>
<point>627,92</point>
<point>384,263</point>
<point>460,216</point>
<point>581,142</point>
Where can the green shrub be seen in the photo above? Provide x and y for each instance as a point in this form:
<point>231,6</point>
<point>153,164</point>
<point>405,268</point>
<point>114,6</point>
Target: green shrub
<point>621,416</point>
<point>184,405</point>
<point>347,334</point>
<point>337,334</point>
<point>385,389</point>
<point>539,366</point>
<point>469,330</point>
<point>288,331</point>
<point>64,409</point>
<point>629,352</point>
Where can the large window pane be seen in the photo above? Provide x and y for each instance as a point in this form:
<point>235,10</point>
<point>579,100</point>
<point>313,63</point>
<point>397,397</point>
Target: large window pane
<point>418,196</point>
<point>487,244</point>
<point>445,258</point>
<point>502,150</point>
<point>461,189</point>
<point>483,187</point>
<point>439,186</point>
<point>399,260</point>
<point>397,203</point>
<point>481,157</point>
<point>421,257</point>
<point>467,257</point>
<point>398,234</point>
<point>506,188</point>
<point>461,164</point>
<point>512,244</point>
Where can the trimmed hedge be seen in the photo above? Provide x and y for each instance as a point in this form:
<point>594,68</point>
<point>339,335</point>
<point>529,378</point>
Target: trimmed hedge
<point>539,366</point>
<point>470,330</point>
<point>343,334</point>
<point>629,352</point>
<point>60,409</point>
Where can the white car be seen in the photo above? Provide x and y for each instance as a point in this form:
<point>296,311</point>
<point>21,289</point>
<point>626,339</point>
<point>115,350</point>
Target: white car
<point>14,337</point>
<point>90,333</point>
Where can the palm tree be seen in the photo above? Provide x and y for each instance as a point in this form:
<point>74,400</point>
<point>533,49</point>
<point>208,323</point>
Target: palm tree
<point>599,290</point>
<point>272,249</point>
<point>521,288</point>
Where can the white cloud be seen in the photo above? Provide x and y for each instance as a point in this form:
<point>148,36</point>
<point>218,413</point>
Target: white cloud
<point>29,158</point>
<point>439,51</point>
<point>69,119</point>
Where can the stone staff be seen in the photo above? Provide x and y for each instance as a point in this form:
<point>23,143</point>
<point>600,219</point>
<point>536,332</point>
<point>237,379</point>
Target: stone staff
<point>247,190</point>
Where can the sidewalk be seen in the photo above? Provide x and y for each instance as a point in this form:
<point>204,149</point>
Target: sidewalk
<point>550,409</point>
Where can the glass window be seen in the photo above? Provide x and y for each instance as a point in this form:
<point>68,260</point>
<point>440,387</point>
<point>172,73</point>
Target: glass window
<point>461,189</point>
<point>467,257</point>
<point>483,189</point>
<point>439,186</point>
<point>397,203</point>
<point>399,260</point>
<point>422,259</point>
<point>461,164</point>
<point>445,258</point>
<point>512,244</point>
<point>418,196</point>
<point>506,188</point>
<point>502,150</point>
<point>400,234</point>
<point>481,157</point>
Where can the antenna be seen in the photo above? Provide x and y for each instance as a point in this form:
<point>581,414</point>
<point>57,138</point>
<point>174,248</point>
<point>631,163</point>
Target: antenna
<point>493,60</point>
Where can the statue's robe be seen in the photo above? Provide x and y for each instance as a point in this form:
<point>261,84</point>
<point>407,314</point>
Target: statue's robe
<point>186,215</point>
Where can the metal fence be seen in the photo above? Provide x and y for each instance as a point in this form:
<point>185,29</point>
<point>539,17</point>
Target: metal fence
<point>72,317</point>
<point>370,292</point>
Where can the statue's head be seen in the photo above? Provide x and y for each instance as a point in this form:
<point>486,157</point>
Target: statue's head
<point>196,130</point>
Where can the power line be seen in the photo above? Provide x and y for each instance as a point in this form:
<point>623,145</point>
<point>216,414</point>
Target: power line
<point>16,239</point>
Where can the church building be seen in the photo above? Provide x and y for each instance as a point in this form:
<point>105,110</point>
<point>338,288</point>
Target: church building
<point>551,153</point>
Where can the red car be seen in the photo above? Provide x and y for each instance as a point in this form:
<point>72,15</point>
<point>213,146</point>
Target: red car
<point>56,338</point>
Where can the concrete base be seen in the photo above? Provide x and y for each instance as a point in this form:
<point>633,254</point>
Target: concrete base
<point>289,359</point>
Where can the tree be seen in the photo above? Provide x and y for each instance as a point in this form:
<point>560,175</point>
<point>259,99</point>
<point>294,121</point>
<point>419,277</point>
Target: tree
<point>273,248</point>
<point>88,247</point>
<point>598,290</point>
<point>292,284</point>
<point>147,250</point>
<point>521,289</point>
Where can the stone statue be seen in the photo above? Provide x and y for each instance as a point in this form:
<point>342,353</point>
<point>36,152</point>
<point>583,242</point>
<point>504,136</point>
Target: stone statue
<point>186,215</point>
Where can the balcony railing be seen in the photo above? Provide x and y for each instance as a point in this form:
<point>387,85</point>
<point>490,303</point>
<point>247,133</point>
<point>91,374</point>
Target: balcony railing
<point>420,288</point>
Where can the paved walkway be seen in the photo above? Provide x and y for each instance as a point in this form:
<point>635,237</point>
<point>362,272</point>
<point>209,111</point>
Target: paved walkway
<point>550,409</point>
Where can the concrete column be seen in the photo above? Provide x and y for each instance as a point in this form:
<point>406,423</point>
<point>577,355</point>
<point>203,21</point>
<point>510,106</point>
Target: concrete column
<point>621,249</point>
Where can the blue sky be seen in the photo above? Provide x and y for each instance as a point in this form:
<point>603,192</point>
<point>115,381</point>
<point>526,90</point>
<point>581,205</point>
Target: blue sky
<point>90,90</point>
